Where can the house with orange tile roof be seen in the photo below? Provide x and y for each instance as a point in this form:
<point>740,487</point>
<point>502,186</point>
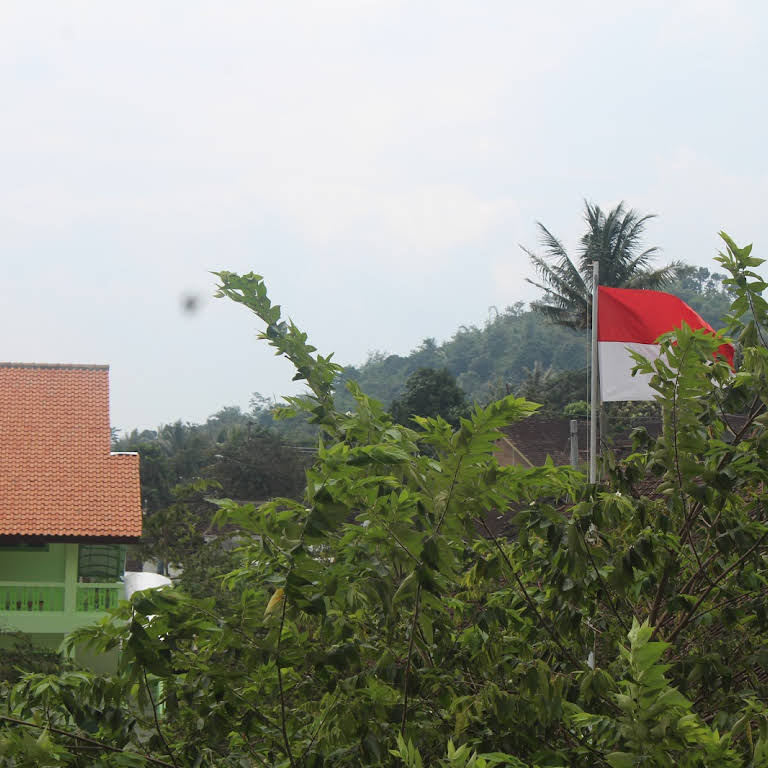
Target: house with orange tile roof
<point>68,505</point>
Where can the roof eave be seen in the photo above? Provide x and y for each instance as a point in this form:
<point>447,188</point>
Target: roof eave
<point>10,538</point>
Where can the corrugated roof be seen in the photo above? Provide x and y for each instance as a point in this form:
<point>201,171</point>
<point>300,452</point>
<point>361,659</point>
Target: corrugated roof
<point>57,475</point>
<point>529,442</point>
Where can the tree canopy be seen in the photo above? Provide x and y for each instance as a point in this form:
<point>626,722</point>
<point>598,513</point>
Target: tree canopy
<point>234,454</point>
<point>430,392</point>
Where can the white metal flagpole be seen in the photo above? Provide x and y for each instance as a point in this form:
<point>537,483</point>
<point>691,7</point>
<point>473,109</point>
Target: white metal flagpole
<point>594,395</point>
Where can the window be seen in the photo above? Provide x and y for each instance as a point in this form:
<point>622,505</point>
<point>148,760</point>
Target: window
<point>100,563</point>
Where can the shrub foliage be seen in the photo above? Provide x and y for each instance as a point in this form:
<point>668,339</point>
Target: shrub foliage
<point>383,621</point>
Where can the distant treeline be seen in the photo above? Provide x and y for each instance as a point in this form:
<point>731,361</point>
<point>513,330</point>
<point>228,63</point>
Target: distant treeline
<point>501,356</point>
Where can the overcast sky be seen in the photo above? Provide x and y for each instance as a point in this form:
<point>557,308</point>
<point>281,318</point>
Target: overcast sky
<point>377,161</point>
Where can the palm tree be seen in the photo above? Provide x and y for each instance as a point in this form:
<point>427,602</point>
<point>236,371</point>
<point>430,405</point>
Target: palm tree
<point>612,239</point>
<point>534,385</point>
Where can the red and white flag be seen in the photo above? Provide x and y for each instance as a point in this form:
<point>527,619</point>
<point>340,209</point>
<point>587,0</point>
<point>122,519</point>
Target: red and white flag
<point>630,319</point>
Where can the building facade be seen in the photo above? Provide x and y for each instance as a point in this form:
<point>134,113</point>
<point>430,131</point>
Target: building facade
<point>68,505</point>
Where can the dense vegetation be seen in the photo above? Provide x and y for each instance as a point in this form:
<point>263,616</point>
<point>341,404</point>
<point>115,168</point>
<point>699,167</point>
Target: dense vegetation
<point>497,359</point>
<point>487,361</point>
<point>251,456</point>
<point>184,466</point>
<point>231,447</point>
<point>380,621</point>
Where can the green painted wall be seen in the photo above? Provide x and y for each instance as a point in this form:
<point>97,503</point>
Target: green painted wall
<point>57,565</point>
<point>31,566</point>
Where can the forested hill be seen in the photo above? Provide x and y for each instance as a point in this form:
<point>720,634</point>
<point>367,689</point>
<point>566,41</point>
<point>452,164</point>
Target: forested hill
<point>486,361</point>
<point>495,359</point>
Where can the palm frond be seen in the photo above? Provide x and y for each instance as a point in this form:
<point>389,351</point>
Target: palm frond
<point>562,315</point>
<point>633,230</point>
<point>573,311</point>
<point>577,307</point>
<point>612,238</point>
<point>628,237</point>
<point>554,248</point>
<point>654,280</point>
<point>562,279</point>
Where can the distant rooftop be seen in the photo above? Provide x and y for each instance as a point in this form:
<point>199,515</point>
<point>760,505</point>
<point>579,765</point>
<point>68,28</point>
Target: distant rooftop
<point>57,475</point>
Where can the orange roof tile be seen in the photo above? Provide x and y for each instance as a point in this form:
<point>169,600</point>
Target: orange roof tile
<point>57,475</point>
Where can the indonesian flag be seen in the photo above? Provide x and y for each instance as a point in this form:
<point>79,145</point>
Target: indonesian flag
<point>630,319</point>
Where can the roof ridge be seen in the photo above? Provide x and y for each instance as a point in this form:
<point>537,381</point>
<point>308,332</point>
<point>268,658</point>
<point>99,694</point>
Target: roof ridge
<point>62,366</point>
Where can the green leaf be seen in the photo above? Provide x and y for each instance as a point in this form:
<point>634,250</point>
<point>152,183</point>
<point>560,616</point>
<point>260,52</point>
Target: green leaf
<point>623,759</point>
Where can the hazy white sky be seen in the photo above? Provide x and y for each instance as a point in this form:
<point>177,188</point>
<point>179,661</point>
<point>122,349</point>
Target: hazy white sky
<point>378,161</point>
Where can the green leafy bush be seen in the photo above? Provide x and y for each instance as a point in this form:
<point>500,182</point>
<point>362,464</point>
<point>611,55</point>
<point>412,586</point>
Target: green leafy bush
<point>382,620</point>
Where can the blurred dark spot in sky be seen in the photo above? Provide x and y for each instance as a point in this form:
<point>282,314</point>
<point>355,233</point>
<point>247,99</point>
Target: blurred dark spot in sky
<point>190,303</point>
